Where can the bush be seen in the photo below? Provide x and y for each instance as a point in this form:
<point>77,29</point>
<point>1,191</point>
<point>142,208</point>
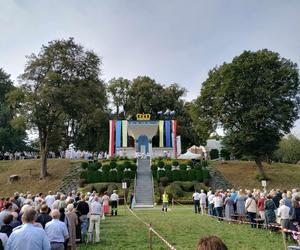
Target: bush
<point>205,174</point>
<point>176,175</point>
<point>225,154</point>
<point>105,176</point>
<point>192,175</point>
<point>204,164</point>
<point>199,175</point>
<point>169,175</point>
<point>183,166</point>
<point>261,177</point>
<point>164,181</point>
<point>160,164</point>
<point>94,176</point>
<point>168,167</point>
<point>175,163</point>
<point>198,166</point>
<point>113,177</point>
<point>190,163</point>
<point>113,164</point>
<point>127,164</point>
<point>83,175</point>
<point>84,165</point>
<point>120,176</point>
<point>175,190</point>
<point>160,173</point>
<point>199,186</point>
<point>214,154</point>
<point>154,173</point>
<point>121,167</point>
<point>100,187</point>
<point>133,167</point>
<point>154,167</point>
<point>111,187</point>
<point>105,168</point>
<point>94,166</point>
<point>187,186</point>
<point>183,175</point>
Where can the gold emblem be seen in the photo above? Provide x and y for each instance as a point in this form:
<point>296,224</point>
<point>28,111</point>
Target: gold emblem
<point>143,117</point>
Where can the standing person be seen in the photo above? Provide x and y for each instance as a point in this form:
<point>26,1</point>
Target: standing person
<point>250,206</point>
<point>105,203</point>
<point>83,209</point>
<point>261,206</point>
<point>95,217</point>
<point>284,214</point>
<point>202,201</point>
<point>6,227</point>
<point>56,231</point>
<point>73,221</point>
<point>233,196</point>
<point>218,205</point>
<point>196,198</point>
<point>270,208</point>
<point>165,200</point>
<point>114,198</point>
<point>240,205</point>
<point>27,236</point>
<point>44,217</point>
<point>210,203</point>
<point>49,199</point>
<point>229,209</point>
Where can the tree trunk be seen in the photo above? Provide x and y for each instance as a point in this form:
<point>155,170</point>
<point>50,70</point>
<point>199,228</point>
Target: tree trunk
<point>260,167</point>
<point>44,153</point>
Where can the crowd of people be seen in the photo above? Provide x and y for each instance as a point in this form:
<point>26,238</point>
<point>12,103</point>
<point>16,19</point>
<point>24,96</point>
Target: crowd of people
<point>53,221</point>
<point>269,208</point>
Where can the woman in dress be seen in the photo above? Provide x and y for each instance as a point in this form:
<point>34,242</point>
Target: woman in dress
<point>229,210</point>
<point>240,205</point>
<point>270,208</point>
<point>105,203</point>
<point>73,221</point>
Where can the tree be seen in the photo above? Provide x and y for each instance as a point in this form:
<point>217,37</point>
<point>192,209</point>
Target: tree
<point>119,92</point>
<point>255,99</point>
<point>62,88</point>
<point>12,128</point>
<point>289,150</point>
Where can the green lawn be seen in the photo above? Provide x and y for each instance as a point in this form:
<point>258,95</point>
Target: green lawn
<point>182,228</point>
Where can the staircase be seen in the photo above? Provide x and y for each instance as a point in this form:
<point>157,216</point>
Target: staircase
<point>144,184</point>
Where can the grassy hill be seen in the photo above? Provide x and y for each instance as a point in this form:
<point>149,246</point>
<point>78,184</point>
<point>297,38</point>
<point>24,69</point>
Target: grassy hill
<point>242,174</point>
<point>56,168</point>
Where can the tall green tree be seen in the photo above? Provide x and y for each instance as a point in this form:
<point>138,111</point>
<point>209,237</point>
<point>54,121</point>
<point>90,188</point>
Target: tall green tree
<point>289,150</point>
<point>62,87</point>
<point>12,128</point>
<point>255,99</point>
<point>118,88</point>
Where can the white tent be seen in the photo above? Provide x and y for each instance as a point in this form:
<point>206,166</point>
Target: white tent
<point>189,156</point>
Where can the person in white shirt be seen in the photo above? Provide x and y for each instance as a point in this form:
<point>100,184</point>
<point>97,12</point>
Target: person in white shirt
<point>196,198</point>
<point>210,198</point>
<point>95,216</point>
<point>283,212</point>
<point>49,199</point>
<point>218,205</point>
<point>202,202</point>
<point>114,198</point>
<point>250,206</point>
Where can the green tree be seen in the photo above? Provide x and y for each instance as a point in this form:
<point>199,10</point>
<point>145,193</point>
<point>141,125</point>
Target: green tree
<point>119,92</point>
<point>62,88</point>
<point>254,98</point>
<point>289,150</point>
<point>12,128</point>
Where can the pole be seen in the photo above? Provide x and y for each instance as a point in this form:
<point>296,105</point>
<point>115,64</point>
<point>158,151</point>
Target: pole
<point>150,236</point>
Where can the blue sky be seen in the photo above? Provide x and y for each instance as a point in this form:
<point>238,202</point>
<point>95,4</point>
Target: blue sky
<point>170,41</point>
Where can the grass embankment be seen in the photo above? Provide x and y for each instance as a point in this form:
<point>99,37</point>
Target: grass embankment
<point>242,174</point>
<point>56,168</point>
<point>182,228</point>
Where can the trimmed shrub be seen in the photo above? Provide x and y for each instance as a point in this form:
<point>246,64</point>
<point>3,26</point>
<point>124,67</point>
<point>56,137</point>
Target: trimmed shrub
<point>111,187</point>
<point>94,176</point>
<point>168,167</point>
<point>225,154</point>
<point>113,164</point>
<point>183,166</point>
<point>105,168</point>
<point>199,186</point>
<point>205,174</point>
<point>127,164</point>
<point>160,164</point>
<point>120,176</point>
<point>198,166</point>
<point>175,163</point>
<point>183,175</point>
<point>84,165</point>
<point>176,175</point>
<point>190,163</point>
<point>199,175</point>
<point>105,176</point>
<point>214,154</point>
<point>133,167</point>
<point>120,167</point>
<point>83,175</point>
<point>192,175</point>
<point>100,187</point>
<point>204,164</point>
<point>113,176</point>
<point>94,166</point>
<point>160,173</point>
<point>169,175</point>
<point>164,181</point>
<point>154,173</point>
<point>154,167</point>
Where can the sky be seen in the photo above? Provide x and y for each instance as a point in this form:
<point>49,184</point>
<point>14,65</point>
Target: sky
<point>172,41</point>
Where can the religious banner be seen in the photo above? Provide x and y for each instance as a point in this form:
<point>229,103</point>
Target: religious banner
<point>111,138</point>
<point>174,129</point>
<point>124,133</point>
<point>118,133</point>
<point>168,133</point>
<point>161,134</point>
